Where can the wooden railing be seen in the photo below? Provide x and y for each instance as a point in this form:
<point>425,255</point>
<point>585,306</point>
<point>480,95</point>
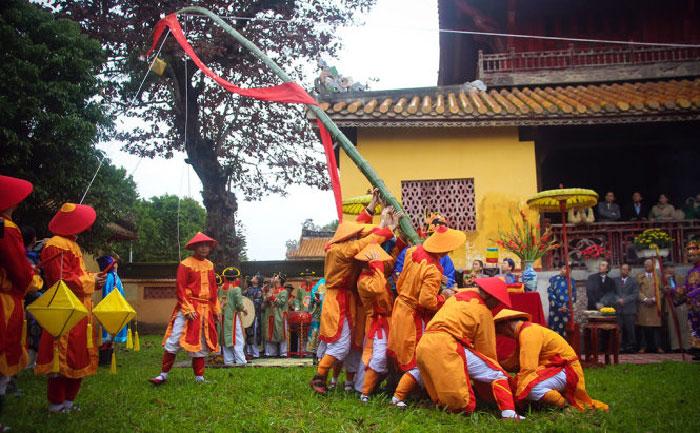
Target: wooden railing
<point>578,57</point>
<point>618,239</point>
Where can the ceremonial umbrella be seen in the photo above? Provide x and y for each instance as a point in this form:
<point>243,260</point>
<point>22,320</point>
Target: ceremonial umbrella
<point>562,200</point>
<point>58,311</point>
<point>355,205</point>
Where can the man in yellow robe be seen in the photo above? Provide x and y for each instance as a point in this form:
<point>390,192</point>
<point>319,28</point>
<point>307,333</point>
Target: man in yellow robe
<point>339,304</point>
<point>419,297</point>
<point>459,346</point>
<point>548,368</point>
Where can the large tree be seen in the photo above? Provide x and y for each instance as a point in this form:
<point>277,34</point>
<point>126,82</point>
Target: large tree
<point>239,148</point>
<point>49,117</point>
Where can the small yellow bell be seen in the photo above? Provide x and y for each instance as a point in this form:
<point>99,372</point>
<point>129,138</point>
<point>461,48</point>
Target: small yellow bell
<point>90,337</point>
<point>159,66</point>
<point>113,364</point>
<point>129,339</point>
<point>137,345</point>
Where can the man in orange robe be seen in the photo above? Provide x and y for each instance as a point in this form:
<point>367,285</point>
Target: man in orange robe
<point>548,368</point>
<point>419,297</point>
<point>62,259</point>
<point>377,300</point>
<point>16,274</point>
<point>339,304</point>
<point>192,326</point>
<point>459,345</point>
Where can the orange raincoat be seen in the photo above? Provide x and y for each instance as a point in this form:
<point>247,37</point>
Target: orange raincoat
<point>463,322</point>
<point>377,300</point>
<point>418,299</point>
<point>541,353</point>
<point>341,272</point>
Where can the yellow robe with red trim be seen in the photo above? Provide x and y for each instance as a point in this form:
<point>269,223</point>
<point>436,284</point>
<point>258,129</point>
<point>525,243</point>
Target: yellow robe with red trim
<point>196,293</point>
<point>76,360</point>
<point>463,322</point>
<point>417,301</point>
<point>16,277</point>
<point>341,271</point>
<point>377,299</point>
<point>542,353</point>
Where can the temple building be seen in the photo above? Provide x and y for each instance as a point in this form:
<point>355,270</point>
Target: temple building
<point>511,116</point>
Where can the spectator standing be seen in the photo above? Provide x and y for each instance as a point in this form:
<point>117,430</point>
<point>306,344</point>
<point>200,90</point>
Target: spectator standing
<point>624,300</point>
<point>608,210</point>
<point>254,292</point>
<point>599,285</point>
<point>558,295</point>
<point>650,308</point>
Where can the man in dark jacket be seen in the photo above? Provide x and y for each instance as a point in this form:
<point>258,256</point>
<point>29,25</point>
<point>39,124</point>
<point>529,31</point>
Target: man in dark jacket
<point>624,300</point>
<point>254,333</point>
<point>638,210</point>
<point>598,285</point>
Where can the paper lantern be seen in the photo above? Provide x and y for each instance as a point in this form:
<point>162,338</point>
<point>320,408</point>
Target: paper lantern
<point>58,310</point>
<point>113,312</point>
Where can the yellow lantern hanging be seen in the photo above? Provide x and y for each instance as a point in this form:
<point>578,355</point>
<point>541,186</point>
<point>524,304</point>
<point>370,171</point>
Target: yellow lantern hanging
<point>113,312</point>
<point>57,311</point>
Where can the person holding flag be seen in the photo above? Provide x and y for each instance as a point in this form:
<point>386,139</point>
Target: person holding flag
<point>192,326</point>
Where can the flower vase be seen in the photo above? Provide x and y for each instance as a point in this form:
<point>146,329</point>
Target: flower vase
<point>529,277</point>
<point>592,265</point>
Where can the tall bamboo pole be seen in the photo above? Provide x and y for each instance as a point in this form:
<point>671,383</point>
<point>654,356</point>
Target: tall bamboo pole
<point>349,148</point>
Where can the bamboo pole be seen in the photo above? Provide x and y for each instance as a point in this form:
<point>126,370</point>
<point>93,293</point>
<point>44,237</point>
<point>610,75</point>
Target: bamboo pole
<point>345,143</point>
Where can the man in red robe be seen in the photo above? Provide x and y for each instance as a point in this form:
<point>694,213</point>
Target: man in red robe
<point>15,280</point>
<point>192,326</point>
<point>62,259</point>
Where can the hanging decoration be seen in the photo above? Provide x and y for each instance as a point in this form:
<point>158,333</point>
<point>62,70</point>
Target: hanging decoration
<point>113,312</point>
<point>58,311</point>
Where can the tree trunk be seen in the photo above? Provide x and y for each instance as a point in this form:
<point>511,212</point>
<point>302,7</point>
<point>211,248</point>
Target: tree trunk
<point>221,204</point>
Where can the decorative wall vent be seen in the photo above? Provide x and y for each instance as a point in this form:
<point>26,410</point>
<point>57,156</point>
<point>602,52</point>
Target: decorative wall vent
<point>452,198</point>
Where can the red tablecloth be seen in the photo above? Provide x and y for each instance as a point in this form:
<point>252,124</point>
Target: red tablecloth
<point>528,302</point>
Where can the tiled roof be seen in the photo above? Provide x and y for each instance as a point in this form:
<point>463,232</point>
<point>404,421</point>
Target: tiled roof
<point>309,248</point>
<point>592,103</point>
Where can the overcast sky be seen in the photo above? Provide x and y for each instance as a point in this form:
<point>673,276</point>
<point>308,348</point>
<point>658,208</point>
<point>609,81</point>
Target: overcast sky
<point>398,57</point>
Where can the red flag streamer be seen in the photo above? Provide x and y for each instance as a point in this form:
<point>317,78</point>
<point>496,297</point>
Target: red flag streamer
<point>288,92</point>
<point>332,167</point>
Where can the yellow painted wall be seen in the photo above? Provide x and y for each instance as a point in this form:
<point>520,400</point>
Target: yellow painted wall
<point>503,168</point>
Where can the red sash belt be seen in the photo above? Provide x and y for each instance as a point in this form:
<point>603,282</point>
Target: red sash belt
<point>379,327</point>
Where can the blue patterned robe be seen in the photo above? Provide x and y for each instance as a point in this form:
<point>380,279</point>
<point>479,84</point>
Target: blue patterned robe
<point>559,297</point>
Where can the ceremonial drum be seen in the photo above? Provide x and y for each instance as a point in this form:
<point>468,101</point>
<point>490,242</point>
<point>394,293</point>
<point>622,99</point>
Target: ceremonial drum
<point>299,323</point>
<point>248,319</point>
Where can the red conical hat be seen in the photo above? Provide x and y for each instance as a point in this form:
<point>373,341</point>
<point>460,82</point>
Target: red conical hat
<point>495,287</point>
<point>72,219</point>
<point>13,191</point>
<point>198,239</point>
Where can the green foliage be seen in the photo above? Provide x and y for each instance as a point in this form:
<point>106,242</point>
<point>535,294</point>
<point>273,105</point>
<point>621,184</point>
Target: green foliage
<point>643,398</point>
<point>156,219</point>
<point>50,113</point>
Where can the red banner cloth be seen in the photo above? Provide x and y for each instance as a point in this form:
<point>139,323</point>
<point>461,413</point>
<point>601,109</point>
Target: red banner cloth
<point>288,92</point>
<point>528,302</point>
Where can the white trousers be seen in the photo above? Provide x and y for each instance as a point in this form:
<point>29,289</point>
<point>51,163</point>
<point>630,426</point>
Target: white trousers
<point>172,344</point>
<point>235,354</point>
<point>340,348</point>
<point>479,371</point>
<point>416,375</point>
<point>554,383</point>
<point>253,350</point>
<point>272,348</point>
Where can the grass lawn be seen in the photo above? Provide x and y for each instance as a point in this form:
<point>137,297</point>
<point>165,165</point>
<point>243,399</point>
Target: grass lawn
<point>649,398</point>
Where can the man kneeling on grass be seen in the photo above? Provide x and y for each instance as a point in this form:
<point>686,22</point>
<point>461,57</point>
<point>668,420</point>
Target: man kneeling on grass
<point>193,324</point>
<point>548,368</point>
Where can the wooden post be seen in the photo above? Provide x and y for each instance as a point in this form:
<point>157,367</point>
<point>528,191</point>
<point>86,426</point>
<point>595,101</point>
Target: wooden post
<point>345,143</point>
